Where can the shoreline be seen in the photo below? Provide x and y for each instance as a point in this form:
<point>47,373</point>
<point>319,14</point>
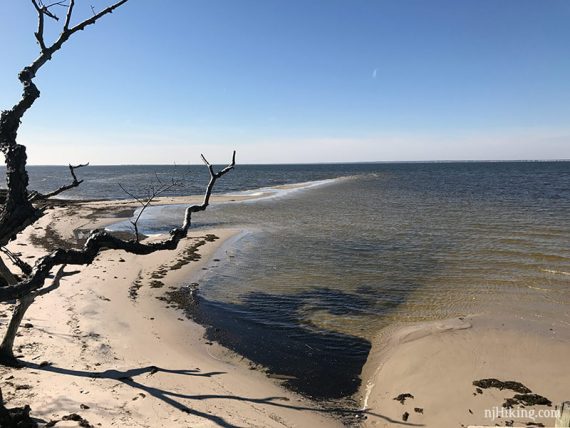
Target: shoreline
<point>137,362</point>
<point>93,350</point>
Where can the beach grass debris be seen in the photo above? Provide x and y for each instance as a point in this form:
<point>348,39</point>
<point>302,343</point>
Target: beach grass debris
<point>527,400</point>
<point>501,385</point>
<point>402,397</point>
<point>77,418</point>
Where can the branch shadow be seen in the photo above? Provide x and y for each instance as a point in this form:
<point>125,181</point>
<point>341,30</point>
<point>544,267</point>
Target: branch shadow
<point>168,397</point>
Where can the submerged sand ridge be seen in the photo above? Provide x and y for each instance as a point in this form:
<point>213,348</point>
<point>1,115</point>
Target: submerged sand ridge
<point>90,349</point>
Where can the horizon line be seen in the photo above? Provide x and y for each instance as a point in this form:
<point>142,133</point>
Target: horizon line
<point>334,162</point>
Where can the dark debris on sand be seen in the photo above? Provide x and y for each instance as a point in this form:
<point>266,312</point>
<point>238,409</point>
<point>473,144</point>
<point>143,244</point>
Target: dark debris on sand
<point>402,397</point>
<point>527,400</point>
<point>17,417</point>
<point>499,384</point>
<point>525,397</point>
<point>71,417</point>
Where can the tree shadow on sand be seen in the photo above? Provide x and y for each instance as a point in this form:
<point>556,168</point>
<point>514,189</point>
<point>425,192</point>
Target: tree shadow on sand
<point>168,397</point>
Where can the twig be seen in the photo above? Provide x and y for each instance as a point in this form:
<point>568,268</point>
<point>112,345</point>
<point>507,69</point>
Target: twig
<point>152,193</point>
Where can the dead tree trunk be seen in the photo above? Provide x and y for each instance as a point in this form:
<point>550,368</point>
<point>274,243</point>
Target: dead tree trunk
<point>7,347</point>
<point>7,357</point>
<point>18,212</point>
<point>6,274</point>
<point>33,285</point>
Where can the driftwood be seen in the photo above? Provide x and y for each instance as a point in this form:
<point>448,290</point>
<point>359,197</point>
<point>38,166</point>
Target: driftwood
<point>100,239</point>
<point>21,208</point>
<point>31,287</point>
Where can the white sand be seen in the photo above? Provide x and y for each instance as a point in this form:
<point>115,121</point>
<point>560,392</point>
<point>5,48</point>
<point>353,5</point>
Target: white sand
<point>437,362</point>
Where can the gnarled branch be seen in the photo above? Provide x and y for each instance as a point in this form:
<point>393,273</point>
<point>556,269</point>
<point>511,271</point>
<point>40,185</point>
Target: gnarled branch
<point>7,345</point>
<point>213,177</point>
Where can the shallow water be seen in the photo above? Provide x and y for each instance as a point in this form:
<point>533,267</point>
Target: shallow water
<point>322,269</point>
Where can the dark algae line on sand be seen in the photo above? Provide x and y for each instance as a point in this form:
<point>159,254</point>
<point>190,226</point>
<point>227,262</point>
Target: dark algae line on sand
<point>321,364</point>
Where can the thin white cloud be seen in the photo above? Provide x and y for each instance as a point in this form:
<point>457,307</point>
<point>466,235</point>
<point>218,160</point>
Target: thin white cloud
<point>374,73</point>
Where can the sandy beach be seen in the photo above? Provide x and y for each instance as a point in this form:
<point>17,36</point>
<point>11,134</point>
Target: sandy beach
<point>437,362</point>
<point>104,345</point>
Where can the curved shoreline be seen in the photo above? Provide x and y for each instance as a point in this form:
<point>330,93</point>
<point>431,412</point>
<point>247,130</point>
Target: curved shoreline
<point>258,193</point>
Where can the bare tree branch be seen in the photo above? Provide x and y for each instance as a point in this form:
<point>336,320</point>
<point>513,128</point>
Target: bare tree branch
<point>213,177</point>
<point>152,193</point>
<point>40,31</point>
<point>62,189</point>
<point>29,72</point>
<point>68,15</point>
<point>57,3</point>
<point>42,10</point>
<point>132,195</point>
<point>32,69</point>
<point>21,264</point>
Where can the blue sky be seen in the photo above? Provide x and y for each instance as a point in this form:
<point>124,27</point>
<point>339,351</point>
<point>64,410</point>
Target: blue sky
<point>298,81</point>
